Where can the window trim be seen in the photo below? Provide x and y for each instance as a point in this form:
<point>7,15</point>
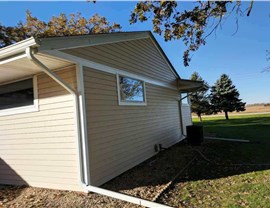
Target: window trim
<point>130,103</point>
<point>23,109</point>
<point>188,100</point>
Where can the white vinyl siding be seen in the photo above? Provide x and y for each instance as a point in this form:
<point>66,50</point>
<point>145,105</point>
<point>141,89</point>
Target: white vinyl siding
<point>40,148</point>
<point>140,57</point>
<point>121,137</point>
<point>186,116</point>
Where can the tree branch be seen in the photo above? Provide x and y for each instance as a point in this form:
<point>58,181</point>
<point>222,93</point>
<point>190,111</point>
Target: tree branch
<point>250,7</point>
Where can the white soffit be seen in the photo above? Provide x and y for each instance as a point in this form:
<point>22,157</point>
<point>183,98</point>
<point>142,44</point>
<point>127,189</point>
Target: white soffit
<point>23,67</point>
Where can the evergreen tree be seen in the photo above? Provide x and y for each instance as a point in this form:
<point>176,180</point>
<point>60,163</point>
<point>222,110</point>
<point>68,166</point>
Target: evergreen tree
<point>199,99</point>
<point>225,97</point>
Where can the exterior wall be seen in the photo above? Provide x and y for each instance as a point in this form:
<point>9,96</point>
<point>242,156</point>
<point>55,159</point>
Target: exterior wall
<point>140,57</point>
<point>121,137</point>
<point>40,148</point>
<point>186,116</point>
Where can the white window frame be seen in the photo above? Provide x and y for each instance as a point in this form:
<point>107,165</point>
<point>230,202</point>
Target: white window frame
<point>130,103</point>
<point>23,109</point>
<point>188,100</point>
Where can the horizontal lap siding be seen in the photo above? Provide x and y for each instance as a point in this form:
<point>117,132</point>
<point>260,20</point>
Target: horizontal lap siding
<point>140,57</point>
<point>186,115</point>
<point>121,137</point>
<point>40,148</point>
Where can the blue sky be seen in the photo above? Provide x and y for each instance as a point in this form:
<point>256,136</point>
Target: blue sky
<point>242,56</point>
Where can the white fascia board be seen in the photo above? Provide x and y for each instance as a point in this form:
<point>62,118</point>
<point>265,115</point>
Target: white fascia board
<point>105,68</point>
<point>61,43</point>
<point>17,48</point>
<point>13,58</point>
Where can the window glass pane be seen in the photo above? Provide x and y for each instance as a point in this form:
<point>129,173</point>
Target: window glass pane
<point>131,90</point>
<point>16,94</point>
<point>184,98</point>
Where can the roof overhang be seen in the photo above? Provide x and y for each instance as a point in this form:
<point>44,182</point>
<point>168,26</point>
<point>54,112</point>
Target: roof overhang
<point>14,63</point>
<point>68,42</point>
<point>185,85</point>
<point>17,48</point>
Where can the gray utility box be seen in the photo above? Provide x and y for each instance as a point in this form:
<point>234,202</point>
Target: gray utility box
<point>194,134</point>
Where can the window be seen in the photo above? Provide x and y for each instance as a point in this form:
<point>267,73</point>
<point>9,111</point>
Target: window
<point>130,91</point>
<point>17,97</point>
<point>184,98</point>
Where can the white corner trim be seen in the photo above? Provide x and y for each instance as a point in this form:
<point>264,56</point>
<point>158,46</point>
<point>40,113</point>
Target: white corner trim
<point>130,103</point>
<point>105,68</point>
<point>83,124</point>
<point>24,109</point>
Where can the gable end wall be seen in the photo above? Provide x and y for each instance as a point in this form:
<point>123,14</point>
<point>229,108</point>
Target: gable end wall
<point>139,57</point>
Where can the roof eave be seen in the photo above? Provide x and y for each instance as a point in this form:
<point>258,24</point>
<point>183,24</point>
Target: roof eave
<point>185,85</point>
<point>69,42</point>
<point>18,48</point>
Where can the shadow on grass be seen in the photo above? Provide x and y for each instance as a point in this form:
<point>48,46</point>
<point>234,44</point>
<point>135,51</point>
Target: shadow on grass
<point>220,158</point>
<point>223,158</point>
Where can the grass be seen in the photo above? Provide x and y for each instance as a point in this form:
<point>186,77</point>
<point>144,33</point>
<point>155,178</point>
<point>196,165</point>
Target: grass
<point>255,128</point>
<point>226,174</point>
<point>233,174</point>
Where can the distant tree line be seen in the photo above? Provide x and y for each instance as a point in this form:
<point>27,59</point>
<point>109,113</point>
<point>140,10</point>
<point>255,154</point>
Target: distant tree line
<point>256,104</point>
<point>223,97</point>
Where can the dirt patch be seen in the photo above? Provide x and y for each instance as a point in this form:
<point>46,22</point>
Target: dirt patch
<point>144,181</point>
<point>28,197</point>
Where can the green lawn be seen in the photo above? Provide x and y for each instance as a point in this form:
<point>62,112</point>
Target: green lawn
<point>234,174</point>
<point>255,128</point>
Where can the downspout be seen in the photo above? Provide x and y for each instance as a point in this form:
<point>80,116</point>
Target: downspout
<point>83,144</point>
<point>30,55</point>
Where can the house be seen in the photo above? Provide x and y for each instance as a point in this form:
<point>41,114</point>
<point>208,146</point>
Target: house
<point>80,110</point>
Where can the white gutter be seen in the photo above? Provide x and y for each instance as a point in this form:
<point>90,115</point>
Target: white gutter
<point>17,48</point>
<point>83,146</point>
